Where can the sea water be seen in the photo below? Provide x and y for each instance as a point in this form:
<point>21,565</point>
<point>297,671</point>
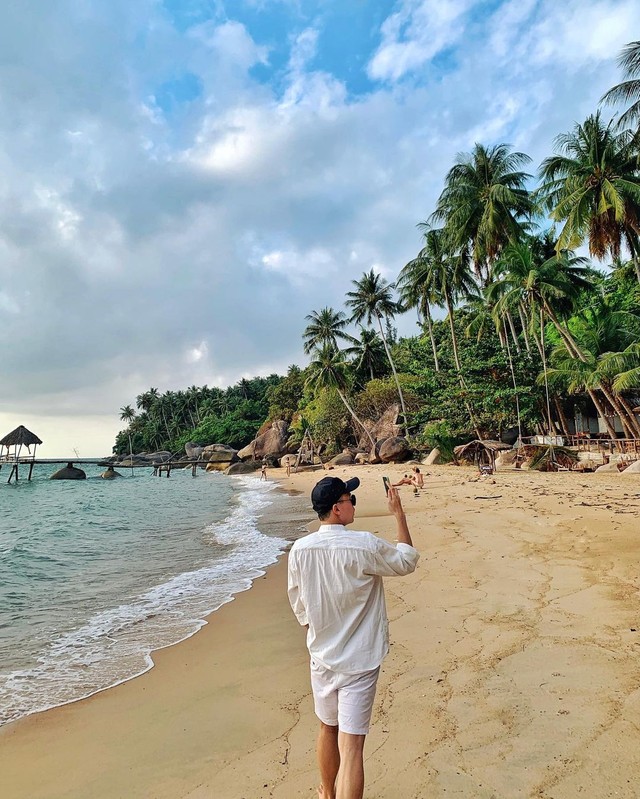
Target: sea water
<point>96,574</point>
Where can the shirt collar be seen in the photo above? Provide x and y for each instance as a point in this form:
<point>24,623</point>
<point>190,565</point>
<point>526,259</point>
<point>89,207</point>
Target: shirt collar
<point>331,528</point>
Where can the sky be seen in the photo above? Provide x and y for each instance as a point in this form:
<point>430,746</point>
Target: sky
<point>183,181</point>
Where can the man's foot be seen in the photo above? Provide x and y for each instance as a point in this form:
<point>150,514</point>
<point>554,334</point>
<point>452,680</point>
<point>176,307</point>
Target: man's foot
<point>322,794</point>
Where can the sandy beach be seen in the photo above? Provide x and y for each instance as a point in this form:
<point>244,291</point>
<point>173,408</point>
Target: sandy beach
<point>513,671</point>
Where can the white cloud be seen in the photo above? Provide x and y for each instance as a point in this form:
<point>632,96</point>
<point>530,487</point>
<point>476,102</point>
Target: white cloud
<point>140,250</point>
<point>414,34</point>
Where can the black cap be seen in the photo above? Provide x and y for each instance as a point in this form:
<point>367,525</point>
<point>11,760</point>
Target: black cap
<point>329,490</point>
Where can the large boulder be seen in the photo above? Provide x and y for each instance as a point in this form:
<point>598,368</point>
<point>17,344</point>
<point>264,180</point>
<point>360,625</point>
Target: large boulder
<point>69,472</point>
<point>193,450</point>
<point>242,467</point>
<point>162,456</point>
<point>395,449</point>
<point>272,443</point>
<point>345,458</point>
<point>216,448</point>
<point>221,457</point>
<point>385,427</point>
<point>110,473</point>
<point>432,458</point>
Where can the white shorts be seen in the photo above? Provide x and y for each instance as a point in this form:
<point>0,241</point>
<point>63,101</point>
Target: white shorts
<point>344,700</point>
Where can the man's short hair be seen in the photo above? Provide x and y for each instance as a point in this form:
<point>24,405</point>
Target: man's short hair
<point>328,491</point>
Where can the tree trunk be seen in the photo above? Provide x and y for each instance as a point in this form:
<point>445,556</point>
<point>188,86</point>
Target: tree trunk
<point>561,416</point>
<point>629,411</point>
<point>356,419</point>
<point>512,327</point>
<point>628,424</point>
<point>427,316</point>
<point>523,322</point>
<point>601,412</point>
<point>456,358</point>
<point>395,376</point>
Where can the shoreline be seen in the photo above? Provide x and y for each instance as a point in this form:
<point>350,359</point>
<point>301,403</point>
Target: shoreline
<point>147,658</point>
<point>515,645</point>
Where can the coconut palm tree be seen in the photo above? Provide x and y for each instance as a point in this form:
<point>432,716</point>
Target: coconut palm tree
<point>592,187</point>
<point>629,90</point>
<point>626,366</point>
<point>368,353</point>
<point>373,299</point>
<point>328,370</point>
<point>485,203</point>
<point>127,414</point>
<point>416,290</point>
<point>326,327</point>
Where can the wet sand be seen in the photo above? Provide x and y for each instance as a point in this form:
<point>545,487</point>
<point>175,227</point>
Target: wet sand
<point>514,668</point>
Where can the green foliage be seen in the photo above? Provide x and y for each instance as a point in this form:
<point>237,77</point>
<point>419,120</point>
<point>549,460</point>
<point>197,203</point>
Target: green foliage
<point>328,420</point>
<point>439,435</point>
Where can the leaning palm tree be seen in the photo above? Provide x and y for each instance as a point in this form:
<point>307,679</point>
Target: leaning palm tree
<point>328,370</point>
<point>373,299</point>
<point>485,203</point>
<point>629,90</point>
<point>326,327</point>
<point>626,366</point>
<point>592,187</point>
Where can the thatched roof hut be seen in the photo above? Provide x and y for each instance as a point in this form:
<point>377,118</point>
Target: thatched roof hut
<point>482,453</point>
<point>20,437</point>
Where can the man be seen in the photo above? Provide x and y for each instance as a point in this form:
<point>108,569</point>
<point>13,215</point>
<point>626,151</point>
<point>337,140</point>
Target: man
<point>335,590</point>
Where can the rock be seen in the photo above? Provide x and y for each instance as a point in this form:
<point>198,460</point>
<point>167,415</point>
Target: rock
<point>361,457</point>
<point>221,457</point>
<point>394,449</point>
<point>507,457</point>
<point>432,458</point>
<point>242,467</point>
<point>343,459</point>
<point>193,450</point>
<point>69,472</point>
<point>633,468</point>
<point>607,467</point>
<point>270,444</point>
<point>156,457</point>
<point>288,460</point>
<point>110,473</point>
<point>211,448</point>
<point>385,427</point>
<point>217,466</point>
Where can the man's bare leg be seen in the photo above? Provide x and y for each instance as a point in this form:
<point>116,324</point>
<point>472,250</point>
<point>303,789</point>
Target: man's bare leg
<point>328,760</point>
<point>350,783</point>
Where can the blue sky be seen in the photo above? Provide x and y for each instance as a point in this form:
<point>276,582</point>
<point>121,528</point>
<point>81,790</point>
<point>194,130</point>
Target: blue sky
<point>182,182</point>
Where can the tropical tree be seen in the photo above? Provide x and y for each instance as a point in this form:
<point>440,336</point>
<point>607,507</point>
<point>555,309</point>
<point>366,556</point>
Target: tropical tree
<point>368,353</point>
<point>373,299</point>
<point>127,414</point>
<point>485,203</point>
<point>326,327</point>
<point>328,369</point>
<point>629,90</point>
<point>592,187</point>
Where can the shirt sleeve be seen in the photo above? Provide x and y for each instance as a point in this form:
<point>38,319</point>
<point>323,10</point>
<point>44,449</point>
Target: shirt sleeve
<point>295,600</point>
<point>393,561</point>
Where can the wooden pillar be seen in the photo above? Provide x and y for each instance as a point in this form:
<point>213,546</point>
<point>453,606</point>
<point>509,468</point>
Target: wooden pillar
<point>30,470</point>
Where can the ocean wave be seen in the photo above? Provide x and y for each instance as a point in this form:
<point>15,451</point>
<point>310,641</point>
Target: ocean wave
<point>115,645</point>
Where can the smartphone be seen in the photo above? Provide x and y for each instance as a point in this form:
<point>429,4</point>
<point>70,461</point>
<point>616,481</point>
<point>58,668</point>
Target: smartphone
<point>386,483</point>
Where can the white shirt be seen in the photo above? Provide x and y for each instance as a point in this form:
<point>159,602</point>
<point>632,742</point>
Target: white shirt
<point>335,586</point>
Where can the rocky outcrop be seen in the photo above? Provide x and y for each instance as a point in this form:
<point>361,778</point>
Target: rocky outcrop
<point>242,467</point>
<point>193,450</point>
<point>69,472</point>
<point>110,473</point>
<point>385,427</point>
<point>345,458</point>
<point>395,449</point>
<point>270,444</point>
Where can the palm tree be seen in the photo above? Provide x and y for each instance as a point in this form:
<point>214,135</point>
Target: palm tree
<point>593,187</point>
<point>127,414</point>
<point>485,203</point>
<point>325,328</point>
<point>626,366</point>
<point>416,290</point>
<point>628,90</point>
<point>373,299</point>
<point>328,370</point>
<point>368,353</point>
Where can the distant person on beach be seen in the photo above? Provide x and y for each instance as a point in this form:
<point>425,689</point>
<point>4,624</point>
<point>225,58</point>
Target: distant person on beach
<point>406,481</point>
<point>263,471</point>
<point>418,477</point>
<point>336,592</point>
